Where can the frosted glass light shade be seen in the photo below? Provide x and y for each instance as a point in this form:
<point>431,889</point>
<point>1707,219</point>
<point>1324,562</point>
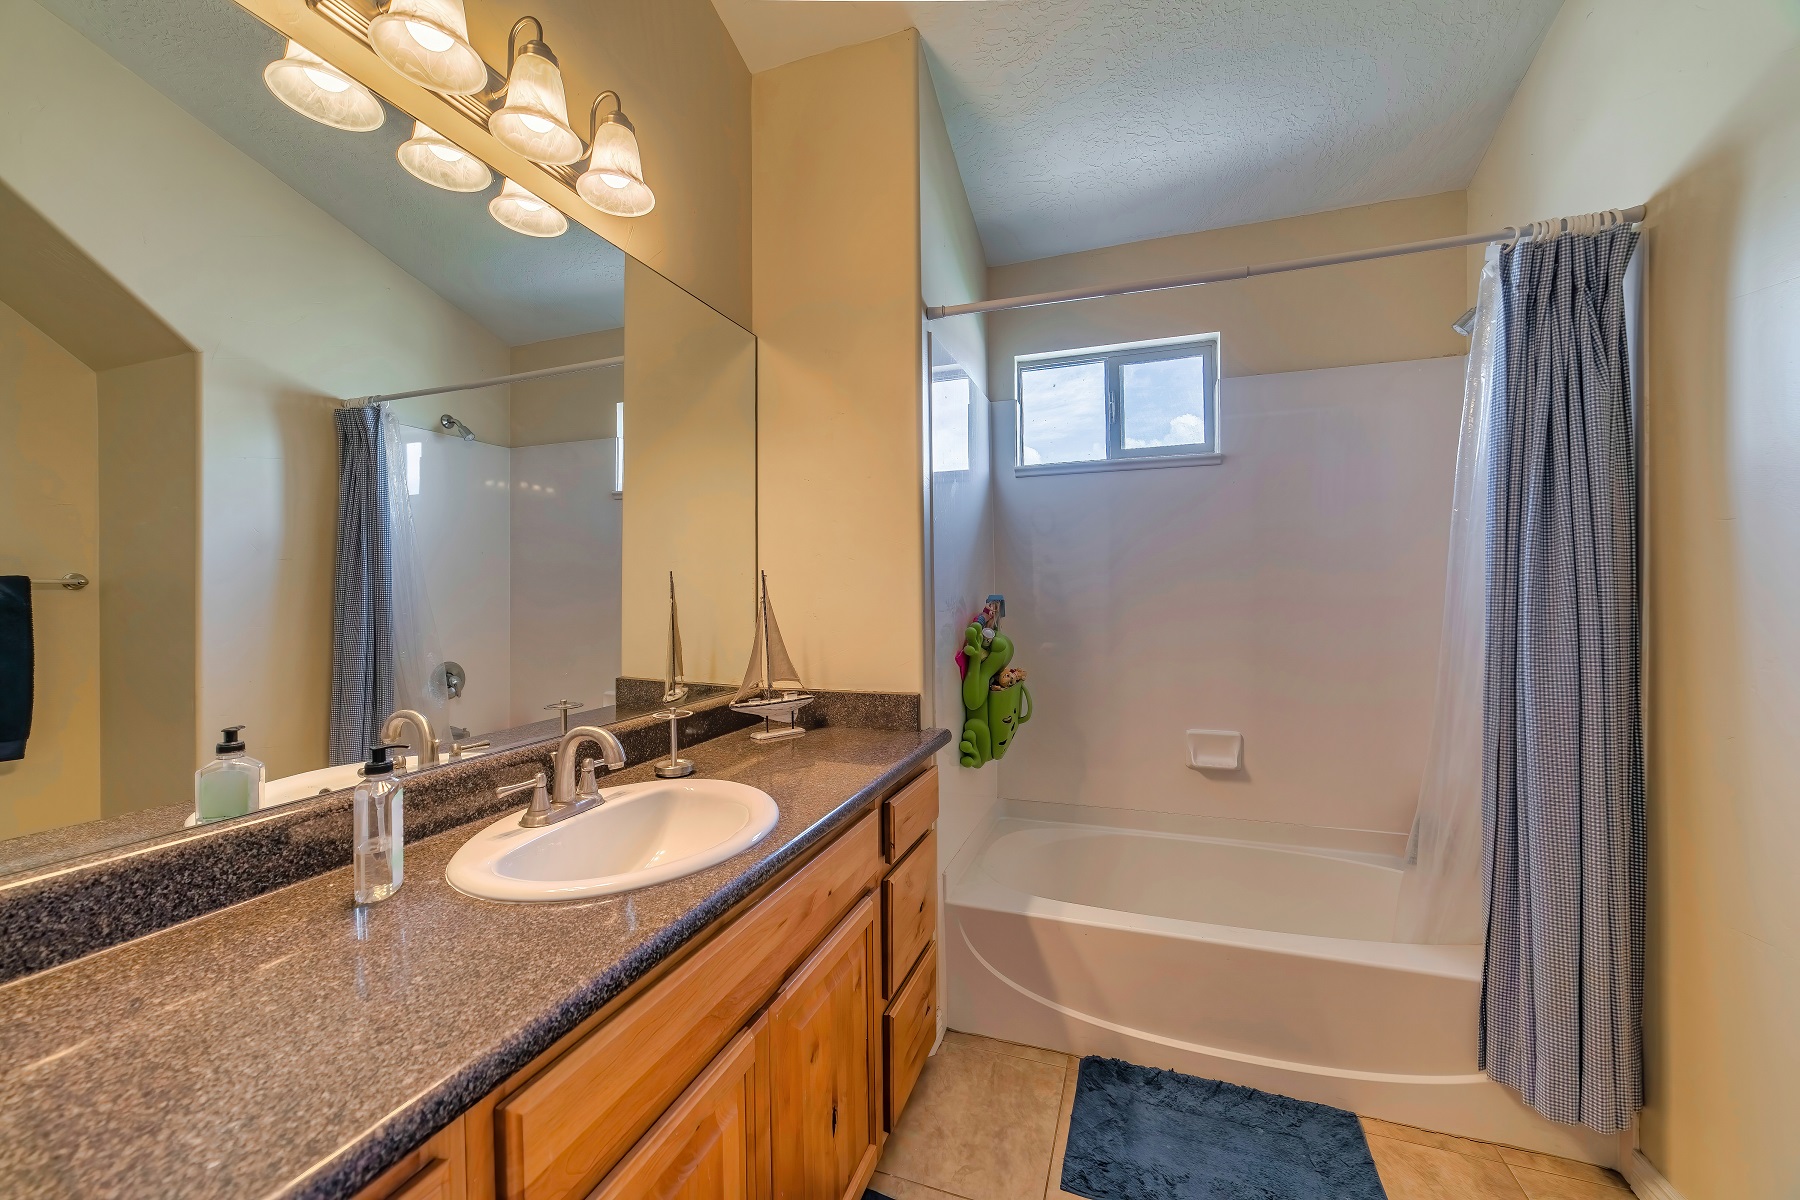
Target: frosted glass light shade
<point>428,42</point>
<point>522,212</point>
<point>430,156</point>
<point>614,181</point>
<point>535,120</point>
<point>314,88</point>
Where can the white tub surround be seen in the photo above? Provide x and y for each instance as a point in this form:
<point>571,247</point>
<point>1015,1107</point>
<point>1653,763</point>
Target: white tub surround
<point>1265,963</point>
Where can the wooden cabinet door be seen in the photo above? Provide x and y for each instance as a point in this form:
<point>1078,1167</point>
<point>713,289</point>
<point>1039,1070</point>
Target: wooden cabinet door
<point>710,1144</point>
<point>432,1172</point>
<point>825,1067</point>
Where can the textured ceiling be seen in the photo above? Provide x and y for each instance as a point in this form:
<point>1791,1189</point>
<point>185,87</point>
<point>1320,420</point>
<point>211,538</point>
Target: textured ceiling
<point>1084,123</point>
<point>208,56</point>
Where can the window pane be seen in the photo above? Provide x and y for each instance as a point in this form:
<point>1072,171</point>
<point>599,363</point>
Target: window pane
<point>950,424</point>
<point>1164,402</point>
<point>1062,413</point>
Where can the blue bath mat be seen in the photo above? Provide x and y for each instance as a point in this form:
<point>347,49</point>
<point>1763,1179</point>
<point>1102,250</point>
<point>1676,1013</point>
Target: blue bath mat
<point>1138,1133</point>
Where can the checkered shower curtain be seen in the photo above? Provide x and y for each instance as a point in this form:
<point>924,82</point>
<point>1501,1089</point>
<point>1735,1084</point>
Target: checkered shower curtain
<point>362,591</point>
<point>1563,797</point>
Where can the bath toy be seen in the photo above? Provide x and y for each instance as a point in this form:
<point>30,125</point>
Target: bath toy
<point>993,711</point>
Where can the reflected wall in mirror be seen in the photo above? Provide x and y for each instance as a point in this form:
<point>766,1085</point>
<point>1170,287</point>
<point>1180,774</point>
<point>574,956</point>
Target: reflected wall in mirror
<point>190,312</point>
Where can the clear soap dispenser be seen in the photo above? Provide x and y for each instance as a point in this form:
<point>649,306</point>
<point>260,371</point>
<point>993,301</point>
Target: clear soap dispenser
<point>231,784</point>
<point>379,839</point>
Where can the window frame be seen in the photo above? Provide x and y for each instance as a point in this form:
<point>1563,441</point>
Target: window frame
<point>1113,360</point>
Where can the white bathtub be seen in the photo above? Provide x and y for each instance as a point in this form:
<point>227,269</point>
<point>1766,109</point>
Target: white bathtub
<point>1265,964</point>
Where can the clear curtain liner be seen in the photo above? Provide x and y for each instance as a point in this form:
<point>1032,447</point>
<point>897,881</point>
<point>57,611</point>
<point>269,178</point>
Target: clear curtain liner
<point>418,657</point>
<point>1441,902</point>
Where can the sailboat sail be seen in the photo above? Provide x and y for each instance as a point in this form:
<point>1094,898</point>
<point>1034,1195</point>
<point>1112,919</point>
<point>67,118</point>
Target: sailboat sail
<point>674,686</point>
<point>771,669</point>
<point>782,675</point>
<point>755,677</point>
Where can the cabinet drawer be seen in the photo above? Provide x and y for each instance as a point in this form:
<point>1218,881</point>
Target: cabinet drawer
<point>908,813</point>
<point>563,1131</point>
<point>908,1029</point>
<point>908,911</point>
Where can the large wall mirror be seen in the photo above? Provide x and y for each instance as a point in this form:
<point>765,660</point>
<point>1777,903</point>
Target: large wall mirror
<point>200,288</point>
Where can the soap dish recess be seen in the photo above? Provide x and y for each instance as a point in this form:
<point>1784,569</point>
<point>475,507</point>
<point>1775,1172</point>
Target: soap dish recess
<point>1215,749</point>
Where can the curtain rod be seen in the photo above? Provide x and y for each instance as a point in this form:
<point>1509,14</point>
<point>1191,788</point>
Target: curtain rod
<point>516,377</point>
<point>1586,223</point>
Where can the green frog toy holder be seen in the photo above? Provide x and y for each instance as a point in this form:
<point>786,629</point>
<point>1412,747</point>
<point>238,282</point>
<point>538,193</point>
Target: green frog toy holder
<point>995,699</point>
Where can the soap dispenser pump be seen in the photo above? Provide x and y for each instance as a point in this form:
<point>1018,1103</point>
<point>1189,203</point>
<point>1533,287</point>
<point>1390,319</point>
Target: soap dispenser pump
<point>231,784</point>
<point>379,837</point>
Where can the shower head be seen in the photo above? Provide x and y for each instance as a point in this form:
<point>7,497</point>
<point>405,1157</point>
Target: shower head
<point>450,424</point>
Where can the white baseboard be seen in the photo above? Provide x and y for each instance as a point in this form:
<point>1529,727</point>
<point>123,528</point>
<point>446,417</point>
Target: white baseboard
<point>1647,1183</point>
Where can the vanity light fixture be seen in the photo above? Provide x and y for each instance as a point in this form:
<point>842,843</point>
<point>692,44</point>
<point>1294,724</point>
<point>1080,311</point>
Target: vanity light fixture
<point>614,181</point>
<point>430,156</point>
<point>522,212</point>
<point>428,42</point>
<point>314,88</point>
<point>535,118</point>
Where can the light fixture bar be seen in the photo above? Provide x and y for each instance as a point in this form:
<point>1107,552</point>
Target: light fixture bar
<point>618,360</point>
<point>353,17</point>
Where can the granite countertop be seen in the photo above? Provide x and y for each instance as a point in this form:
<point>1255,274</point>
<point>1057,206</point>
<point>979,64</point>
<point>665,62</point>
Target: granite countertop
<point>294,1045</point>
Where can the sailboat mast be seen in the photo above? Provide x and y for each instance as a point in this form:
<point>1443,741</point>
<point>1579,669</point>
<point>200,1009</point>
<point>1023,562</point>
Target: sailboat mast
<point>763,616</point>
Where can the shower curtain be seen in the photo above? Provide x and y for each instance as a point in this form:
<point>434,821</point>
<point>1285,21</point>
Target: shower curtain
<point>384,652</point>
<point>1563,786</point>
<point>1440,897</point>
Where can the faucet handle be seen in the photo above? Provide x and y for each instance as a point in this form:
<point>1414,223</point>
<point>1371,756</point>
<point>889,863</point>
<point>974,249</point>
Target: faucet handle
<point>589,787</point>
<point>540,797</point>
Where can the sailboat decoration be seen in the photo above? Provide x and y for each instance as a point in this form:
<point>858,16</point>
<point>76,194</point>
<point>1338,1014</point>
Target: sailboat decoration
<point>771,689</point>
<point>674,686</point>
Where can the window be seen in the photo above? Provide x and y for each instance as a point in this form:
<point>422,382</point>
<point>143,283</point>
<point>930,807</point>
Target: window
<point>950,394</point>
<point>1151,404</point>
<point>619,449</point>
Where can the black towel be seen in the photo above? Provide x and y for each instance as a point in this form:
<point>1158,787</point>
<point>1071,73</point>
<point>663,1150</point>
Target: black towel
<point>15,665</point>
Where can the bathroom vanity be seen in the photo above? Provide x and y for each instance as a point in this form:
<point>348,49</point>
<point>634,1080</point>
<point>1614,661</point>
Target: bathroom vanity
<point>749,1030</point>
<point>768,1061</point>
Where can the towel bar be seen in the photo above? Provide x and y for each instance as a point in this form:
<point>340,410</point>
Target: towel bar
<point>74,581</point>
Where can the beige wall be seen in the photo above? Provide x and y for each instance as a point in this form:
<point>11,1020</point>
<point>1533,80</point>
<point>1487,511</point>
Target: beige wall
<point>288,309</point>
<point>1392,310</point>
<point>839,474</point>
<point>50,525</point>
<point>690,482</point>
<point>1696,109</point>
<point>567,408</point>
<point>149,452</point>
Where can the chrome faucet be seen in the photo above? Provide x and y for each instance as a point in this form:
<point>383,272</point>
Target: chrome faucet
<point>569,798</point>
<point>427,742</point>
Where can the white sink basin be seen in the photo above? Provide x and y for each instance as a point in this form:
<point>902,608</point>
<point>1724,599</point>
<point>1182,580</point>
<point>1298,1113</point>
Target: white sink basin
<point>645,833</point>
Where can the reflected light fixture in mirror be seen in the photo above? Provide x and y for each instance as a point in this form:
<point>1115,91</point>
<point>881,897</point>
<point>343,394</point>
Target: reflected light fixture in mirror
<point>522,212</point>
<point>430,156</point>
<point>314,88</point>
<point>428,42</point>
<point>535,119</point>
<point>614,181</point>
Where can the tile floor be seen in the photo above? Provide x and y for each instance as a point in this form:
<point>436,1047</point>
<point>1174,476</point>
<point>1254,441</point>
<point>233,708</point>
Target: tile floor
<point>987,1122</point>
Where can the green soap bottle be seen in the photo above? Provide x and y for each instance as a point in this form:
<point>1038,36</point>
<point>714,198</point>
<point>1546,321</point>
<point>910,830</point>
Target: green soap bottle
<point>231,784</point>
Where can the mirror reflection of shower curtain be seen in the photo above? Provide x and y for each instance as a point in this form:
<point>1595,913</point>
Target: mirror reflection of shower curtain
<point>1440,896</point>
<point>384,653</point>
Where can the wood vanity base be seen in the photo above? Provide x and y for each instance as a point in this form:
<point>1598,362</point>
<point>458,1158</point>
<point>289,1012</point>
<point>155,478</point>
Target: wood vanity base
<point>767,1063</point>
